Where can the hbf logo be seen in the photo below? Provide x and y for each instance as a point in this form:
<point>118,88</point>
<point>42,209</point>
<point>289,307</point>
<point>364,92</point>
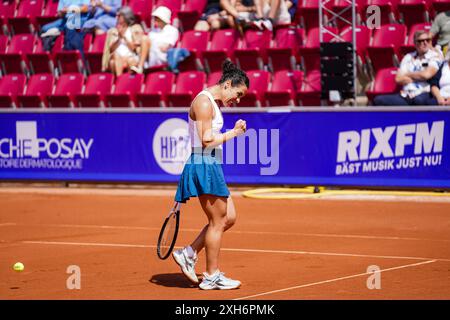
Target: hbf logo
<point>171,145</point>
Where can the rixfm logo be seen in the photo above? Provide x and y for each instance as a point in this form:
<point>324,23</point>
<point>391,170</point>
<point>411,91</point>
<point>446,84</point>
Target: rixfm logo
<point>391,148</point>
<point>28,150</point>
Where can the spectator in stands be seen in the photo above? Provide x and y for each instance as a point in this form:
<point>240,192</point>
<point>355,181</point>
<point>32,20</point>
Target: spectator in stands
<point>263,14</point>
<point>123,43</point>
<point>226,13</point>
<point>292,7</point>
<point>102,15</point>
<point>440,84</point>
<point>441,28</point>
<point>158,42</point>
<point>72,13</point>
<point>213,17</point>
<point>270,13</point>
<point>415,70</point>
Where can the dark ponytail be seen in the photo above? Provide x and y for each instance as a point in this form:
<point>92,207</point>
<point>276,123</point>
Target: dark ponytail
<point>231,72</point>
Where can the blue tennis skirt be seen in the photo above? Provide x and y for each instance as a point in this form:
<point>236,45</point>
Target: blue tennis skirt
<point>202,174</point>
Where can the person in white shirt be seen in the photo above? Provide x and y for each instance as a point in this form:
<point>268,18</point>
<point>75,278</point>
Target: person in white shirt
<point>415,70</point>
<point>440,84</point>
<point>122,45</point>
<point>159,41</point>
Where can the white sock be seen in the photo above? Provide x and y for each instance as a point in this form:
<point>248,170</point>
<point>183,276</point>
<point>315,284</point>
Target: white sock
<point>190,252</point>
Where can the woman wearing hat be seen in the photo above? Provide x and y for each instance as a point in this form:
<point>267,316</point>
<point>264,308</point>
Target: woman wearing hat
<point>159,41</point>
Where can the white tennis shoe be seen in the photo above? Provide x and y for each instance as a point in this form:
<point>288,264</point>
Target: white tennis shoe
<point>218,281</point>
<point>186,263</point>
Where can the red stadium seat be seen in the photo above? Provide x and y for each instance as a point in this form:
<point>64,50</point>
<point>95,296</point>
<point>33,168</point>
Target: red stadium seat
<point>69,61</point>
<point>223,44</point>
<point>49,14</point>
<point>340,5</point>
<point>310,53</point>
<point>3,43</point>
<point>10,86</point>
<point>282,56</point>
<point>308,13</point>
<point>384,83</point>
<point>25,18</point>
<point>363,36</point>
<point>13,61</point>
<point>40,61</point>
<point>68,86</point>
<point>414,11</point>
<point>97,86</point>
<point>188,84</point>
<point>440,5</point>
<point>214,78</point>
<point>190,14</point>
<point>39,86</point>
<point>142,9</point>
<point>7,10</point>
<point>157,86</point>
<point>126,88</point>
<point>388,10</point>
<point>409,46</point>
<point>94,55</point>
<point>384,50</point>
<point>196,42</point>
<point>259,84</point>
<point>310,93</point>
<point>285,86</point>
<point>252,54</point>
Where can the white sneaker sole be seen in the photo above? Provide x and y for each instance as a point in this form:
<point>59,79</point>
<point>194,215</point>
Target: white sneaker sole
<point>183,269</point>
<point>221,287</point>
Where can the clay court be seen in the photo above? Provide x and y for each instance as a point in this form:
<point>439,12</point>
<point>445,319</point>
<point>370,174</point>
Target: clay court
<point>279,249</point>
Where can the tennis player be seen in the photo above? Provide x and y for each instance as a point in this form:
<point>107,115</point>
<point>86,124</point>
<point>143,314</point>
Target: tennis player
<point>202,175</point>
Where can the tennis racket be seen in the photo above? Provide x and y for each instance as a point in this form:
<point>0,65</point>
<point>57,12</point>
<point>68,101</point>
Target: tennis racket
<point>169,231</point>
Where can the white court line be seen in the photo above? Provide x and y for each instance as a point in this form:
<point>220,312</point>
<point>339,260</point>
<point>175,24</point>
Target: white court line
<point>329,235</point>
<point>334,280</point>
<point>170,192</point>
<point>7,224</point>
<point>123,245</point>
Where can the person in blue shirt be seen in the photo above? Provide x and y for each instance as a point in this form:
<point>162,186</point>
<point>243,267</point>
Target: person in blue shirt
<point>103,15</point>
<point>72,13</point>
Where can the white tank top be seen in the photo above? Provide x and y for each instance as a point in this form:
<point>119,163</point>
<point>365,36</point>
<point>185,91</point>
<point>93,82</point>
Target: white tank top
<point>217,123</point>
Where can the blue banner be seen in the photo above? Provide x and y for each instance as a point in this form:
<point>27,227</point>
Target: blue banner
<point>356,148</point>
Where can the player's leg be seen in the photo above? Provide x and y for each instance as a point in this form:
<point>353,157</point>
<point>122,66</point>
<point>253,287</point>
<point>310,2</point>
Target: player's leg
<point>199,243</point>
<point>186,257</point>
<point>216,210</point>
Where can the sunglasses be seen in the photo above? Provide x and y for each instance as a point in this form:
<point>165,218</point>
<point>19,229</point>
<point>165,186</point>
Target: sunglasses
<point>423,40</point>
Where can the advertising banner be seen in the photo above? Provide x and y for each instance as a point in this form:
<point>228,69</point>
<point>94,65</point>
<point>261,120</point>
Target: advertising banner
<point>352,148</point>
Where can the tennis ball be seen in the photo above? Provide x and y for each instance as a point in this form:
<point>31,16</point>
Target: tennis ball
<point>18,266</point>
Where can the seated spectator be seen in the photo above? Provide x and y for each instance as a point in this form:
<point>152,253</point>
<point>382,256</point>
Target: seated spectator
<point>415,70</point>
<point>123,43</point>
<point>72,13</point>
<point>441,28</point>
<point>292,7</point>
<point>263,14</point>
<point>158,42</point>
<point>102,15</point>
<point>226,14</point>
<point>213,17</point>
<point>440,84</point>
<point>270,13</point>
